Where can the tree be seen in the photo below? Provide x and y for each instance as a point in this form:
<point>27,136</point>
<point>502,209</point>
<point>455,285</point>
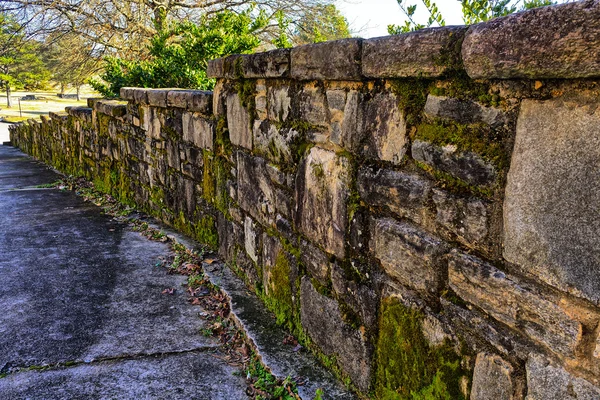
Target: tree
<point>20,66</point>
<point>180,53</point>
<point>474,11</point>
<point>320,24</point>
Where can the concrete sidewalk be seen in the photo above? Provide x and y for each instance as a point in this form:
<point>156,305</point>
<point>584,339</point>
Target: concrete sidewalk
<point>80,294</point>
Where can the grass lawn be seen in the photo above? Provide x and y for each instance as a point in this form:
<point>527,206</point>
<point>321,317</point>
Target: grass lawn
<point>45,102</point>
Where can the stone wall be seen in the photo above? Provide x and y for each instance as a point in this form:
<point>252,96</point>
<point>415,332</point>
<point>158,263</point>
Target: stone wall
<point>423,210</point>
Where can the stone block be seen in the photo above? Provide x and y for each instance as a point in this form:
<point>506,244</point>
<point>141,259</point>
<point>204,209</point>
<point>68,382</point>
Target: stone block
<point>322,320</point>
<point>126,93</point>
<point>177,98</point>
<point>219,100</point>
<point>546,380</point>
<point>200,101</point>
<point>140,95</point>
<point>278,102</point>
<point>345,112</point>
<point>157,97</point>
<point>238,122</point>
<point>311,106</point>
<point>316,262</point>
<point>409,255</point>
<point>322,192</point>
<point>385,128</point>
<point>466,166</point>
<point>361,298</point>
<point>269,64</point>
<point>198,130</point>
<point>272,142</point>
<point>548,42</point>
<point>467,218</point>
<point>551,218</point>
<point>333,60</point>
<point>280,274</point>
<point>216,68</point>
<point>425,53</point>
<point>150,122</point>
<point>252,239</point>
<point>256,192</point>
<point>463,111</point>
<point>516,303</point>
<point>492,379</point>
<point>405,194</point>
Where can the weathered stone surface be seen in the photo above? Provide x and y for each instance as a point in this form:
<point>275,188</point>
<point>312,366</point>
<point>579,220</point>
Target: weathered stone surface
<point>157,97</point>
<point>360,297</point>
<point>272,142</point>
<point>150,121</point>
<point>310,105</point>
<point>112,108</point>
<point>546,42</point>
<point>280,273</point>
<point>463,111</point>
<point>316,262</point>
<point>200,101</point>
<point>334,60</point>
<point>238,122</point>
<point>492,378</point>
<point>409,254</point>
<point>225,67</point>
<point>278,103</point>
<point>177,98</point>
<point>402,193</point>
<point>426,53</point>
<point>467,218</point>
<point>252,239</point>
<point>126,93</point>
<point>344,110</point>
<point>434,330</point>
<point>322,191</point>
<point>322,320</point>
<point>256,192</point>
<point>548,381</point>
<point>270,64</point>
<point>515,303</point>
<point>467,165</point>
<point>385,126</point>
<point>551,218</point>
<point>197,130</point>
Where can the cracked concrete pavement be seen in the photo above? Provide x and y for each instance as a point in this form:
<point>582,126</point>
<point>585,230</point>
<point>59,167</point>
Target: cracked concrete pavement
<point>81,295</point>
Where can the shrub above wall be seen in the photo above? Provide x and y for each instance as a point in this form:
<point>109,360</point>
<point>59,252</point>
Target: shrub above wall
<point>420,209</point>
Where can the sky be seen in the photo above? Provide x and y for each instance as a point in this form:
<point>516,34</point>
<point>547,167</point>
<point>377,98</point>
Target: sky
<point>370,18</point>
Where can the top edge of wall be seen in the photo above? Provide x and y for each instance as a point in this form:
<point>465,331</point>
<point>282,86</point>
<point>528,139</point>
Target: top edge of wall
<point>188,99</point>
<point>555,42</point>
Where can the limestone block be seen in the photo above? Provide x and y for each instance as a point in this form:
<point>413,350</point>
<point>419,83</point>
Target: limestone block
<point>269,64</point>
<point>157,97</point>
<point>273,143</point>
<point>278,103</point>
<point>310,104</point>
<point>197,130</point>
<point>238,122</point>
<point>492,378</point>
<point>322,320</point>
<point>547,42</point>
<point>260,99</point>
<point>177,98</point>
<point>200,101</point>
<point>551,218</point>
<point>150,122</point>
<point>468,218</point>
<point>467,165</point>
<point>515,303</point>
<point>219,99</point>
<point>344,109</point>
<point>546,380</point>
<point>409,254</point>
<point>385,126</point>
<point>322,192</point>
<point>425,53</point>
<point>403,193</point>
<point>126,93</point>
<point>333,60</point>
<point>463,111</point>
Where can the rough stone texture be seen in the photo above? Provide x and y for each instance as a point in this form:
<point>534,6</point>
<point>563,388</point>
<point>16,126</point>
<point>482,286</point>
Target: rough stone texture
<point>273,143</point>
<point>157,97</point>
<point>467,218</point>
<point>551,217</point>
<point>492,378</point>
<point>197,130</point>
<point>322,320</point>
<point>322,191</point>
<point>546,380</point>
<point>270,64</point>
<point>385,126</point>
<point>360,297</point>
<point>425,53</point>
<point>252,239</point>
<point>467,165</point>
<point>546,42</point>
<point>463,111</point>
<point>515,303</point>
<point>238,122</point>
<point>409,255</point>
<point>310,105</point>
<point>344,109</point>
<point>402,193</point>
<point>278,103</point>
<point>335,60</point>
<point>316,262</point>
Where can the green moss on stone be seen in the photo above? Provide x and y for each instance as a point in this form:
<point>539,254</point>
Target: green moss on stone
<point>412,96</point>
<point>208,181</point>
<point>206,232</point>
<point>407,367</point>
<point>456,185</point>
<point>279,299</point>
